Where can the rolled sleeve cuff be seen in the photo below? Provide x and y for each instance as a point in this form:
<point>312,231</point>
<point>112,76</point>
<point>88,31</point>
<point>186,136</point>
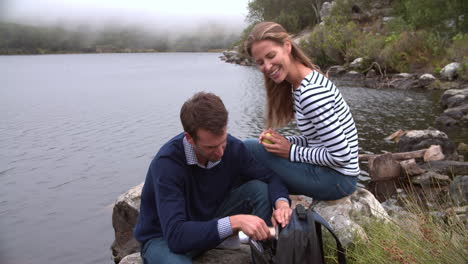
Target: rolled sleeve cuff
<point>282,199</point>
<point>224,227</point>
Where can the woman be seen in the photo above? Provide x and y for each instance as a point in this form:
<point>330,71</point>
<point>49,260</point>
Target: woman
<point>322,163</point>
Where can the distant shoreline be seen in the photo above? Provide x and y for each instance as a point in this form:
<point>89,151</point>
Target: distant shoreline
<point>2,53</point>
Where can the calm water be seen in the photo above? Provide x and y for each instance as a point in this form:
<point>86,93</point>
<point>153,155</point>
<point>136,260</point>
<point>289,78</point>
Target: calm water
<point>76,131</point>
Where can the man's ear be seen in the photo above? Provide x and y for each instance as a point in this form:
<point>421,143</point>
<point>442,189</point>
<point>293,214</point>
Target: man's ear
<point>189,138</point>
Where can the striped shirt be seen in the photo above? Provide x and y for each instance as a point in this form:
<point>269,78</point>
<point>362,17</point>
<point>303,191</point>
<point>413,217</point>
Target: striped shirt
<point>329,136</point>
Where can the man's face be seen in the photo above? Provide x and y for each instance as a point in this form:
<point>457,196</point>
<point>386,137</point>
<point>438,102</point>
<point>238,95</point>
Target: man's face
<point>208,146</point>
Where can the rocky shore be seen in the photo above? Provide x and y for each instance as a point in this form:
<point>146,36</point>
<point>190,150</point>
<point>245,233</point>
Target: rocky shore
<point>441,180</point>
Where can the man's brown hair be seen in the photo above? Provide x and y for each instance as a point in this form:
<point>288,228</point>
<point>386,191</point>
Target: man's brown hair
<point>206,111</point>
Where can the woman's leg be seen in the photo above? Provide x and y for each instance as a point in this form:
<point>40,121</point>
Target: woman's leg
<point>318,182</point>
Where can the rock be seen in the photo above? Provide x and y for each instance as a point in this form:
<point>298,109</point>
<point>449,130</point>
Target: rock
<point>450,71</point>
<point>446,101</point>
<point>453,118</point>
<point>411,168</point>
<point>431,178</point>
<point>336,70</point>
<point>426,79</point>
<point>214,256</point>
<point>134,258</point>
<point>446,123</point>
<point>395,136</point>
<point>225,256</point>
<point>344,215</point>
<point>421,139</point>
<point>462,147</point>
<point>351,78</point>
<point>371,74</point>
<point>347,214</point>
<point>458,190</point>
<point>387,19</point>
<point>403,81</point>
<point>302,36</point>
<point>124,217</point>
<point>326,9</point>
<point>400,215</point>
<point>353,75</point>
<point>447,167</point>
<point>357,63</point>
<point>233,56</point>
<point>434,152</point>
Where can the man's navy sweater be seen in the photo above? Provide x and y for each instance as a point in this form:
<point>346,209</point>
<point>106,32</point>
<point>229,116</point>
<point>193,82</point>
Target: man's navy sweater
<point>179,201</point>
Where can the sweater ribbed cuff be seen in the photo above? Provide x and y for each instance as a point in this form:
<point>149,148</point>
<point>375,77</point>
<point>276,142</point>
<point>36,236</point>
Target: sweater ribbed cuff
<point>224,227</point>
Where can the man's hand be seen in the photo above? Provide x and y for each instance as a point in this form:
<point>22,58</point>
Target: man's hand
<point>253,226</point>
<point>282,213</point>
<point>280,145</point>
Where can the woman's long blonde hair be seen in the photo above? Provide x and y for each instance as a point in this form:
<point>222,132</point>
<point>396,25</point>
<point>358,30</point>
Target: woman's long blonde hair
<point>279,97</point>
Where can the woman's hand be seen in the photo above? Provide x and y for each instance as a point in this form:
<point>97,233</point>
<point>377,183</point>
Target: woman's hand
<point>282,214</point>
<point>279,145</point>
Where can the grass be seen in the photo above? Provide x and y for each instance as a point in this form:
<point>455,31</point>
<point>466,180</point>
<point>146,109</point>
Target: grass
<point>416,236</point>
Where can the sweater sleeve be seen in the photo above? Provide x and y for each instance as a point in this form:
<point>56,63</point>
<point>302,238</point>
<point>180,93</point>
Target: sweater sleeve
<point>298,140</point>
<point>318,107</point>
<point>181,234</point>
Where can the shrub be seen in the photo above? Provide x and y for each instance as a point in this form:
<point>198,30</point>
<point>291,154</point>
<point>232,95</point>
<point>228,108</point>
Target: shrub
<point>415,235</point>
<point>330,43</point>
<point>412,51</point>
<point>367,46</point>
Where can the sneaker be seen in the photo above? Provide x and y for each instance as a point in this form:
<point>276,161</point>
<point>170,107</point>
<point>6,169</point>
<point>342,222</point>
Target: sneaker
<point>231,242</point>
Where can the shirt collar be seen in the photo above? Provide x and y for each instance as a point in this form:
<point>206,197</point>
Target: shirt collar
<point>191,157</point>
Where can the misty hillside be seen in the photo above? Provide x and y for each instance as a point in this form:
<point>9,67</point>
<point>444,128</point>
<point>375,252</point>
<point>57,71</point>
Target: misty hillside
<point>18,38</point>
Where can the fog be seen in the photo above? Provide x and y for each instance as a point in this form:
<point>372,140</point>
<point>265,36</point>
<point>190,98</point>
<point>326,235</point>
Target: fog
<point>180,16</point>
<point>184,25</point>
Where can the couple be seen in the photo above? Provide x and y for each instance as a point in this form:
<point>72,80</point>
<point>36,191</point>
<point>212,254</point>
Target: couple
<point>204,185</point>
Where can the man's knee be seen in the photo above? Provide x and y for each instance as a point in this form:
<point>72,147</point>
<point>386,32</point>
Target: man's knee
<point>257,188</point>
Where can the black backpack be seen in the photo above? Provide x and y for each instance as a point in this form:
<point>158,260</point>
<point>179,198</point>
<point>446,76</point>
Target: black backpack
<point>299,242</point>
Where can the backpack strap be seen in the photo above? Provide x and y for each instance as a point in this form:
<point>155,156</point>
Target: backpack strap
<point>319,221</point>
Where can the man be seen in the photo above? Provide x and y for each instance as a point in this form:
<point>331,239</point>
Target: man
<point>202,187</point>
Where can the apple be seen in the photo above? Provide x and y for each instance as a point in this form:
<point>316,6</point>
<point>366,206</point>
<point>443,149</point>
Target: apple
<point>267,141</point>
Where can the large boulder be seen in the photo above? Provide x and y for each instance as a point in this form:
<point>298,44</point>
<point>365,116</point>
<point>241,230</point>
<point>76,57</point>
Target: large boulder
<point>347,215</point>
<point>124,217</point>
<point>453,98</point>
<point>455,115</point>
<point>426,80</point>
<point>214,256</point>
<point>421,139</point>
<point>125,248</point>
<point>326,9</point>
<point>403,81</point>
<point>449,72</point>
<point>458,190</point>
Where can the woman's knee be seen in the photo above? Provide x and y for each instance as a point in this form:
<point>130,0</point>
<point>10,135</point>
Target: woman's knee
<point>252,144</point>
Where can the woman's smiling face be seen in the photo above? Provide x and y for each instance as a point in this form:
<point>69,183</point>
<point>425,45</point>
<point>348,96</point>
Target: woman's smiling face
<point>272,59</point>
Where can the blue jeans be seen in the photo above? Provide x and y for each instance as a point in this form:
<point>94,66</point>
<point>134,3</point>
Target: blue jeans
<point>318,182</point>
<point>250,198</point>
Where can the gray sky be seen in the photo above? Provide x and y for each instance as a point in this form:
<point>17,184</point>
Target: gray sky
<point>179,13</point>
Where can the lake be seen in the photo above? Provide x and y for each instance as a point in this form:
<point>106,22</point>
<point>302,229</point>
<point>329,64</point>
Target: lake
<point>76,131</point>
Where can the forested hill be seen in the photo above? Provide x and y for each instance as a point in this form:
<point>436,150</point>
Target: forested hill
<point>28,39</point>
